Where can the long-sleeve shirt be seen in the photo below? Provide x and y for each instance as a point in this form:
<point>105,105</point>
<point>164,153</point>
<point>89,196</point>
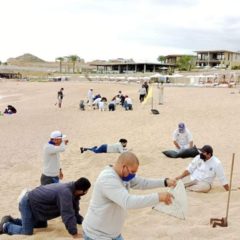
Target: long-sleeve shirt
<point>51,159</point>
<point>206,171</point>
<point>54,200</point>
<point>110,201</point>
<point>116,148</point>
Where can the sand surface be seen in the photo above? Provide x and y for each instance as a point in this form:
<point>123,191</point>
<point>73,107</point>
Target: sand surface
<point>211,114</point>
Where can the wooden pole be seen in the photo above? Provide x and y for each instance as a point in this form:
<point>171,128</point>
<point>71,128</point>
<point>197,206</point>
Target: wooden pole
<point>230,186</point>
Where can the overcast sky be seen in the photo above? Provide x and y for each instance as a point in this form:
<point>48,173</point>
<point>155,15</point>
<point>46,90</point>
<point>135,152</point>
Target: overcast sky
<point>107,29</point>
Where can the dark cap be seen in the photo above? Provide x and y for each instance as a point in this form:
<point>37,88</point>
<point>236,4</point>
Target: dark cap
<point>206,148</point>
<point>181,125</point>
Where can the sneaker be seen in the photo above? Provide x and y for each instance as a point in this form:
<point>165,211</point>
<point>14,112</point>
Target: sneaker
<point>81,149</point>
<point>5,219</point>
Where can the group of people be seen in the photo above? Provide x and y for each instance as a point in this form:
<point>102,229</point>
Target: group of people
<point>110,197</point>
<point>99,102</point>
<point>201,172</point>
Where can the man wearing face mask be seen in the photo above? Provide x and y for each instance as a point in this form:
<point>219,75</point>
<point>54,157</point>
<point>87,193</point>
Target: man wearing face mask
<point>111,198</point>
<point>45,203</point>
<point>202,171</point>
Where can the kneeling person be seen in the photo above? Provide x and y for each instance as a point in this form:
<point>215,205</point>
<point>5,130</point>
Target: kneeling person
<point>45,203</point>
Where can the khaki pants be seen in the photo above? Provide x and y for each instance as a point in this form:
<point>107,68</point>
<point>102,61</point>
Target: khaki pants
<point>198,186</point>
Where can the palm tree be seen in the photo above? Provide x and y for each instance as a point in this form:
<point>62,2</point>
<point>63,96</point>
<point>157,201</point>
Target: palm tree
<point>161,59</point>
<point>73,59</point>
<point>60,60</point>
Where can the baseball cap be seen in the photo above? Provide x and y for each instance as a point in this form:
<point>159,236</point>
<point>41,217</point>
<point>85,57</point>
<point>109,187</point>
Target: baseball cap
<point>207,149</point>
<point>57,134</point>
<point>181,126</point>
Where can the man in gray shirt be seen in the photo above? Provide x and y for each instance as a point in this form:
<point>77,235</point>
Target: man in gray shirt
<point>111,198</point>
<point>52,171</point>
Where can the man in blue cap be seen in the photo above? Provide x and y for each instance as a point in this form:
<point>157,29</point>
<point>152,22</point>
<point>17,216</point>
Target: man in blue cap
<point>182,137</point>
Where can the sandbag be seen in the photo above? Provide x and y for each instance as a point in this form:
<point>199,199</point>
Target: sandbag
<point>155,111</point>
<point>186,153</point>
<point>171,153</point>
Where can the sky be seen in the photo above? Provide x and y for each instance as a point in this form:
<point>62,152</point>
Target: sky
<point>110,29</point>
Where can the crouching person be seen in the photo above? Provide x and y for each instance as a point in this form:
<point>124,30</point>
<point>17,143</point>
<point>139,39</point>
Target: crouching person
<point>45,203</point>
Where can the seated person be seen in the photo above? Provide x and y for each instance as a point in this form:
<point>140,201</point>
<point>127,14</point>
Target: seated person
<point>202,171</point>
<point>82,105</point>
<point>182,137</point>
<point>10,110</point>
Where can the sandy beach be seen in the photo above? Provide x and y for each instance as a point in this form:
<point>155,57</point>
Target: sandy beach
<point>212,115</point>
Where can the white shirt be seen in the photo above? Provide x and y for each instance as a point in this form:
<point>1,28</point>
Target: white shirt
<point>206,170</point>
<point>116,148</point>
<point>90,95</point>
<point>142,91</point>
<point>51,159</point>
<point>128,100</point>
<point>96,101</point>
<point>110,200</point>
<point>183,139</point>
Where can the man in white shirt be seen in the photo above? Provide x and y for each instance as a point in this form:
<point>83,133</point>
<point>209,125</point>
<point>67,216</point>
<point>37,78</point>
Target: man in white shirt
<point>128,103</point>
<point>182,137</point>
<point>119,147</point>
<point>111,198</point>
<point>202,171</point>
<point>52,171</point>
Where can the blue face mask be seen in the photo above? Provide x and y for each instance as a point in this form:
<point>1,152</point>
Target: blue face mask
<point>129,177</point>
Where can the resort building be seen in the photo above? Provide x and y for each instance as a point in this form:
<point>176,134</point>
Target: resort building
<point>131,67</point>
<point>217,58</point>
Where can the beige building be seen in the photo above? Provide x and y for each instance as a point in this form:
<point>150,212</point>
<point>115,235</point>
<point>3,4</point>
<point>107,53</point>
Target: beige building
<point>218,58</point>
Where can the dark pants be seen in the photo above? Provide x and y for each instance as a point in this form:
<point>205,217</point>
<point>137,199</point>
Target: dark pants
<point>27,223</point>
<point>111,107</point>
<point>100,149</point>
<point>48,180</point>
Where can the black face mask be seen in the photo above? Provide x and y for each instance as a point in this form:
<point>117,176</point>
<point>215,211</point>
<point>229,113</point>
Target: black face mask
<point>203,157</point>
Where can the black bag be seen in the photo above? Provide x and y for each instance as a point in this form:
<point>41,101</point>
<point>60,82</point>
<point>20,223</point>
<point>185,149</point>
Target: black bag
<point>186,153</point>
<point>155,111</point>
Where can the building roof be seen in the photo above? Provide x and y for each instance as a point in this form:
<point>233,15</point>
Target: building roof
<point>179,55</point>
<point>139,63</point>
<point>206,51</point>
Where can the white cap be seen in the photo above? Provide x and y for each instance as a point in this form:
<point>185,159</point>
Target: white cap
<point>57,134</point>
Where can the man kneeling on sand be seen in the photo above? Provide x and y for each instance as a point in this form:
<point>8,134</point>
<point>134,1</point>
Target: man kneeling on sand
<point>119,147</point>
<point>45,203</point>
<point>202,171</point>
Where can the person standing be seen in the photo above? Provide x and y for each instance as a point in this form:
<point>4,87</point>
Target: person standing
<point>60,97</point>
<point>161,89</point>
<point>52,171</point>
<point>182,137</point>
<point>111,198</point>
<point>142,93</point>
<point>45,203</point>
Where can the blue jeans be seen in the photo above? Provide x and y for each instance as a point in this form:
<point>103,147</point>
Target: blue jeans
<point>100,149</point>
<point>27,223</point>
<point>88,238</point>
